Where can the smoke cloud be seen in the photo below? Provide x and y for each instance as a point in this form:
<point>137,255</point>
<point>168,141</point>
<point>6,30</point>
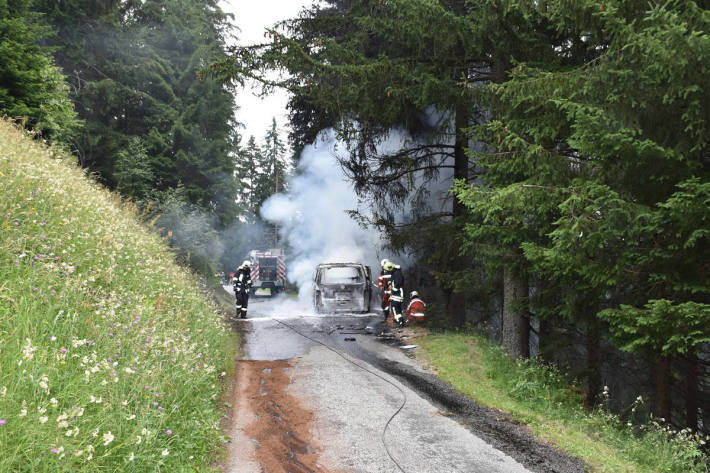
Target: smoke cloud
<point>313,216</point>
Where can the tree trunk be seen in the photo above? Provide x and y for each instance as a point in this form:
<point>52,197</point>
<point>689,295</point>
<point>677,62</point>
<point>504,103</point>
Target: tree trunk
<point>663,388</point>
<point>516,328</point>
<point>457,301</point>
<point>691,392</point>
<point>594,359</point>
<point>546,347</point>
<point>460,157</point>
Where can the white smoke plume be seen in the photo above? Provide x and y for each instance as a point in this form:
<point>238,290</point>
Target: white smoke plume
<point>313,216</point>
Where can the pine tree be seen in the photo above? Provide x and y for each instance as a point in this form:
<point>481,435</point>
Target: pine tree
<point>33,88</point>
<point>249,178</point>
<point>274,156</point>
<point>134,73</point>
<point>605,163</point>
<point>369,67</point>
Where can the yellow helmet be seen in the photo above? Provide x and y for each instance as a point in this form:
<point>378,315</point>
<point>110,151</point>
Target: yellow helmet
<point>389,266</point>
<point>384,262</point>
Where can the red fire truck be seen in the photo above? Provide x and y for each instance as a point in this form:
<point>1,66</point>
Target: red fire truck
<point>268,270</point>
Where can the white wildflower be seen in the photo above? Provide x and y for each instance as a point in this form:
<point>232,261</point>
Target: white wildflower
<point>108,438</point>
<point>28,351</point>
<point>44,383</point>
<point>165,452</point>
<point>43,419</point>
<point>131,457</point>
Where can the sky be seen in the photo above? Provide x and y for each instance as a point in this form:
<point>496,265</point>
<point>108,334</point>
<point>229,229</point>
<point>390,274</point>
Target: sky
<point>252,17</point>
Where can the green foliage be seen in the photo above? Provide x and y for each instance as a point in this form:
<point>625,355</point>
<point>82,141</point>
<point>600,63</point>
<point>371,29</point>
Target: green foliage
<point>261,172</point>
<point>597,169</point>
<point>133,174</point>
<point>135,76</point>
<point>538,395</point>
<point>660,327</point>
<point>366,67</point>
<point>190,230</point>
<point>33,88</point>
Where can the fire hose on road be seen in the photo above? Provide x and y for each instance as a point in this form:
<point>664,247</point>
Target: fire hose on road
<point>404,395</point>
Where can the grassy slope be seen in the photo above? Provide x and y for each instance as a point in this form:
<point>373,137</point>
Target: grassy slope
<point>542,399</point>
<point>110,357</point>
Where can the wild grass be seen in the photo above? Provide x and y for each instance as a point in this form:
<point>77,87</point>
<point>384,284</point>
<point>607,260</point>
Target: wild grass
<point>110,357</point>
<point>539,396</point>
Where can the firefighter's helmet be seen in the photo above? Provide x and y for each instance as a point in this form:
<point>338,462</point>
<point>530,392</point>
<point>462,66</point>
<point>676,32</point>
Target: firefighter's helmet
<point>246,263</point>
<point>413,294</point>
<point>388,266</point>
<point>384,262</point>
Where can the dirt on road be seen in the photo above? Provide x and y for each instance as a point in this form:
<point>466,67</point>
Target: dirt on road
<point>269,425</point>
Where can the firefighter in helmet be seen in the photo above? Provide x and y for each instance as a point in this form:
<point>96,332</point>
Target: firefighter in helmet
<point>415,309</point>
<point>396,292</point>
<point>242,284</point>
<point>383,282</point>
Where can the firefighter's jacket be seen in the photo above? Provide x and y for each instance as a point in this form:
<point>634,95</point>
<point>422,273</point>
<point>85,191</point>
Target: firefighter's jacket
<point>416,307</point>
<point>397,284</point>
<point>242,279</point>
<point>383,282</point>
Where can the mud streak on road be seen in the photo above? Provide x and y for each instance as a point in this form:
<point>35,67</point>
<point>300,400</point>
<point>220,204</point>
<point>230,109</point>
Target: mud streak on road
<point>281,429</point>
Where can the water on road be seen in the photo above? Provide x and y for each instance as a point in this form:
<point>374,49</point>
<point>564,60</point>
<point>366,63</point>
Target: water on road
<point>311,397</point>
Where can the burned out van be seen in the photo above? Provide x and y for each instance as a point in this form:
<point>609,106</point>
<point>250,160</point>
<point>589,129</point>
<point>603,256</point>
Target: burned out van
<point>342,287</point>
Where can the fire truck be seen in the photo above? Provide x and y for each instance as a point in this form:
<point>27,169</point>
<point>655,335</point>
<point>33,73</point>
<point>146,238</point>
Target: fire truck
<point>268,270</point>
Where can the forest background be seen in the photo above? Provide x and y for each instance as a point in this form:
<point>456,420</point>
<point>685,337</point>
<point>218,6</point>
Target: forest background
<point>577,133</point>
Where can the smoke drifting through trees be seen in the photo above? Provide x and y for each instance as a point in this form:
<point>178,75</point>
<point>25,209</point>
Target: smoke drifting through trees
<point>313,216</point>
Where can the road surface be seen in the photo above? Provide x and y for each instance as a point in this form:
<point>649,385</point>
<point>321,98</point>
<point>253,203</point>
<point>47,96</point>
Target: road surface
<point>328,394</point>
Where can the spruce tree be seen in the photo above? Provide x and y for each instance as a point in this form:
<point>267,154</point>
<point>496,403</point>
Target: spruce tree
<point>134,74</point>
<point>369,67</point>
<point>609,159</point>
<point>32,88</point>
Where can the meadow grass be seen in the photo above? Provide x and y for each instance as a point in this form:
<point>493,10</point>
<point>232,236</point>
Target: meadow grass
<point>110,356</point>
<point>538,396</point>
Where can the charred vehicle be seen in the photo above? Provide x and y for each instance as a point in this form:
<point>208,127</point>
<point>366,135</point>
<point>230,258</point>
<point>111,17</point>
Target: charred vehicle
<point>342,287</point>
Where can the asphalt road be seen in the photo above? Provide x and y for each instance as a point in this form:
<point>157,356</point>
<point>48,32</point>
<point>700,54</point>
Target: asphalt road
<point>329,394</point>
